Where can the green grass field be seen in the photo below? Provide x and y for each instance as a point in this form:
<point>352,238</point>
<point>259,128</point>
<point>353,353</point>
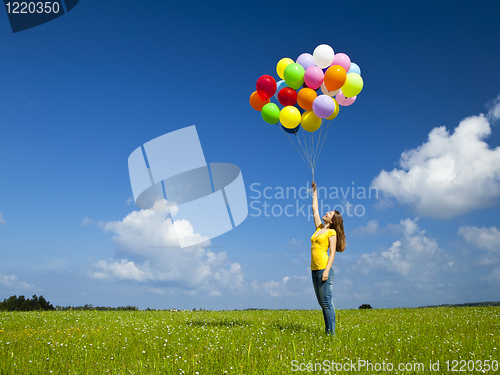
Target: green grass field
<point>251,342</point>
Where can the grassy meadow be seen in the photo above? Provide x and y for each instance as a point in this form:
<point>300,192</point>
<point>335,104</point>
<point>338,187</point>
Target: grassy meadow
<point>251,342</point>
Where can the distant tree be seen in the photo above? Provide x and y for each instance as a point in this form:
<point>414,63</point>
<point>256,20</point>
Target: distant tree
<point>35,304</point>
<point>365,306</point>
<point>99,308</point>
<point>45,305</point>
<point>12,303</point>
<point>22,303</point>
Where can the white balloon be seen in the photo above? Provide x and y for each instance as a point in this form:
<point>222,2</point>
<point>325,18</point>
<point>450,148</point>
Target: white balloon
<point>323,56</point>
<point>325,91</point>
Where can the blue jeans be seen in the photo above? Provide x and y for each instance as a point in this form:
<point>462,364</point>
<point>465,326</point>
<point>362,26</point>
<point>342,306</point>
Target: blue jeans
<point>323,291</point>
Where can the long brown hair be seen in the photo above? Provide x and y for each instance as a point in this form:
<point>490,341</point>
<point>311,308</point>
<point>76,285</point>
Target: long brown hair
<point>337,223</point>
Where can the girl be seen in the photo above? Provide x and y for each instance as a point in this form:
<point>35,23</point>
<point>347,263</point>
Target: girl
<point>329,234</point>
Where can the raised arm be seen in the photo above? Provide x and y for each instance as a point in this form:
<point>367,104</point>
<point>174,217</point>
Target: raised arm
<point>317,219</point>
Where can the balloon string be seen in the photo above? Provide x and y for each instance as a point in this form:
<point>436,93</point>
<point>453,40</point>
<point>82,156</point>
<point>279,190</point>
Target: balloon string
<point>309,148</point>
<point>293,144</point>
<point>310,190</point>
<point>313,155</point>
<point>305,150</point>
<point>316,156</point>
<point>319,148</point>
<point>312,148</point>
<point>326,135</point>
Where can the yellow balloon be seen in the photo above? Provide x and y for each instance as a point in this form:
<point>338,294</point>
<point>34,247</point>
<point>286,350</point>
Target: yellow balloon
<point>310,122</point>
<point>336,112</point>
<point>282,64</point>
<point>290,117</point>
<point>353,85</point>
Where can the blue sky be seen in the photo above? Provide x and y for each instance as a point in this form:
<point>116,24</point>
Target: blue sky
<point>80,93</point>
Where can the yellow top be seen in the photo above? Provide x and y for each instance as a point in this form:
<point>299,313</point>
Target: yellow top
<point>319,248</point>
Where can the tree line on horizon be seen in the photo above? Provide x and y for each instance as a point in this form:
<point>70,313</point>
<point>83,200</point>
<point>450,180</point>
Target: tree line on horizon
<point>97,308</point>
<point>21,303</point>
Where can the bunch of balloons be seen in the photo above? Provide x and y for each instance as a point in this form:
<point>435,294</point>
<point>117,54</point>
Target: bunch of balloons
<point>310,91</point>
<point>316,84</point>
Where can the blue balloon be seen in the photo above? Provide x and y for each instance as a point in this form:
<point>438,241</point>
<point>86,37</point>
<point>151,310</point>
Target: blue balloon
<point>354,69</point>
<point>291,131</point>
<point>279,86</point>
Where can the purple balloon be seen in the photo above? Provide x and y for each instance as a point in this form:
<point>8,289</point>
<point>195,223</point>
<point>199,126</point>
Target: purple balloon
<point>342,100</point>
<point>343,60</point>
<point>323,106</point>
<point>306,60</point>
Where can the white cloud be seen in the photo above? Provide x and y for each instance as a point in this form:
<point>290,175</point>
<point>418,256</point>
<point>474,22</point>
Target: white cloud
<point>494,275</point>
<point>291,286</point>
<point>494,109</point>
<point>146,228</point>
<point>86,221</point>
<point>481,238</point>
<point>148,247</point>
<point>487,239</point>
<point>232,278</point>
<point>2,220</point>
<point>370,228</point>
<point>295,243</point>
<point>161,291</point>
<point>373,227</point>
<point>414,257</point>
<point>448,175</point>
<point>123,270</point>
<point>11,282</point>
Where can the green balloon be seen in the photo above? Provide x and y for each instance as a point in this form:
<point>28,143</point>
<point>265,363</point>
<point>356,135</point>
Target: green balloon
<point>294,76</point>
<point>270,113</point>
<point>353,85</point>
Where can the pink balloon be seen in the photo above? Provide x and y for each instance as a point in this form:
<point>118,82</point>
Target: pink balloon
<point>313,77</point>
<point>343,60</point>
<point>343,101</point>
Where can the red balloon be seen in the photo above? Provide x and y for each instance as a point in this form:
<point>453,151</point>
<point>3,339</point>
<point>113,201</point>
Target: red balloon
<point>266,86</point>
<point>287,96</point>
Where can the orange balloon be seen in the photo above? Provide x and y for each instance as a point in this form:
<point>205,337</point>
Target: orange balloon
<point>305,98</point>
<point>257,102</point>
<point>335,77</point>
